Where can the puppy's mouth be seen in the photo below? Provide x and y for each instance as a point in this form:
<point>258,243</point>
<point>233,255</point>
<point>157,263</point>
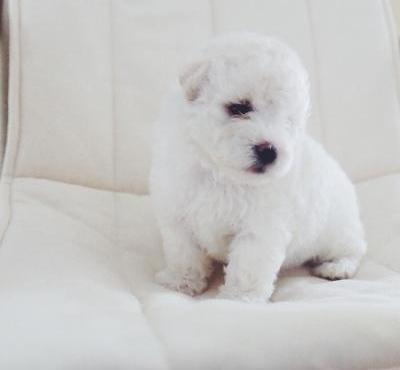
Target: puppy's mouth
<point>257,168</point>
<point>265,154</point>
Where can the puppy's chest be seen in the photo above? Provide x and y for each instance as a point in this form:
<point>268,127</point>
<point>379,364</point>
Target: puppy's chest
<point>215,214</point>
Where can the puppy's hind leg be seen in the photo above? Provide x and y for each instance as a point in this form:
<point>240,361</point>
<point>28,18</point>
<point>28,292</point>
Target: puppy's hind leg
<point>341,261</point>
<point>337,269</point>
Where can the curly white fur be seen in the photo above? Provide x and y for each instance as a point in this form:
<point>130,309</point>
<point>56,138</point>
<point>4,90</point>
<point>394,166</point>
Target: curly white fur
<point>211,206</point>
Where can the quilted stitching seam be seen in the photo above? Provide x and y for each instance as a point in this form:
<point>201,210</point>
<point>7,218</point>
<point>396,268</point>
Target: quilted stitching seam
<point>116,221</point>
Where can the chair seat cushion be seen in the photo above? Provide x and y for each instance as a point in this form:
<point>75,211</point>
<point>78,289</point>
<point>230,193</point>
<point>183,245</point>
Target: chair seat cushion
<point>77,291</point>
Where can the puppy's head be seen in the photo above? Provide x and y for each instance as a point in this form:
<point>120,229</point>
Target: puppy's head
<point>246,101</point>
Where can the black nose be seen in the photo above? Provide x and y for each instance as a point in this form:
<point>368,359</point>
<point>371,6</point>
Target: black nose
<point>265,154</point>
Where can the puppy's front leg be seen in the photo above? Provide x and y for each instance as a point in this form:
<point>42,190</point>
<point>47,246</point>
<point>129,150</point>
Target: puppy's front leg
<point>187,266</point>
<point>253,265</point>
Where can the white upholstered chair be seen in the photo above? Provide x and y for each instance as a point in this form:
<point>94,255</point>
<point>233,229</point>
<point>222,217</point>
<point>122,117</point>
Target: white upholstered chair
<point>82,83</point>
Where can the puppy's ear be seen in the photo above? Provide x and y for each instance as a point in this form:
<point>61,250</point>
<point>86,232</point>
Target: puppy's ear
<point>193,77</point>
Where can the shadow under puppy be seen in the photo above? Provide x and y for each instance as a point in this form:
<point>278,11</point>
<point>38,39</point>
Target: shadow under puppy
<point>236,178</point>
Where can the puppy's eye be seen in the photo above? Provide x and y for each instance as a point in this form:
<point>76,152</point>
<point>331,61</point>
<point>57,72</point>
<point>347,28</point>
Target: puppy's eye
<point>239,109</point>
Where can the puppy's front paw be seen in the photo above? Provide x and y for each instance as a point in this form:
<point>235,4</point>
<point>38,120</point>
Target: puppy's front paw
<point>343,268</point>
<point>187,283</point>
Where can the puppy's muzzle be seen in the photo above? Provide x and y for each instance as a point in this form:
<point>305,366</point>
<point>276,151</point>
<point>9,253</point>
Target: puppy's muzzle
<point>265,154</point>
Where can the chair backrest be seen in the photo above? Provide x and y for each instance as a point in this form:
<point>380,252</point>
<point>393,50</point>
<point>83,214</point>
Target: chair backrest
<point>87,78</point>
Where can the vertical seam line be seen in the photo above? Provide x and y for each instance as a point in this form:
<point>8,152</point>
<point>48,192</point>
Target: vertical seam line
<point>113,127</point>
<point>212,17</point>
<point>317,72</point>
<point>394,51</point>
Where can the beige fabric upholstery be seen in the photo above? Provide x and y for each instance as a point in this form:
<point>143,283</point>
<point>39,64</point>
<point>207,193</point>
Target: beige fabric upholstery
<point>91,88</point>
<point>78,242</point>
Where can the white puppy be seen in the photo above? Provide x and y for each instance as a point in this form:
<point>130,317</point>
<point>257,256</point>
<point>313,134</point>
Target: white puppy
<point>235,177</point>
